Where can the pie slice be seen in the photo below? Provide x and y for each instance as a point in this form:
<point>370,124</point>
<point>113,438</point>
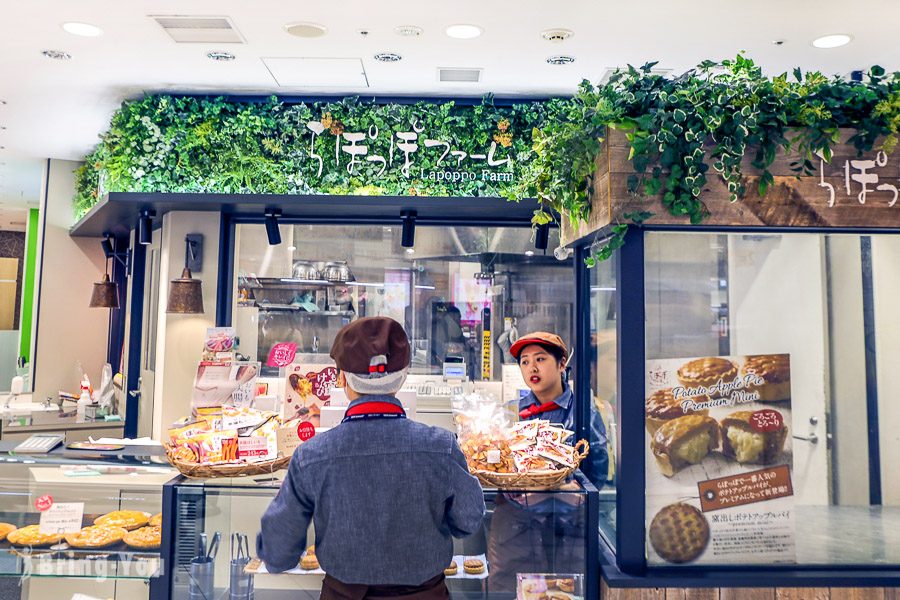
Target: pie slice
<point>32,536</point>
<point>156,520</point>
<point>129,519</point>
<point>6,529</point>
<point>684,441</point>
<point>145,538</point>
<point>746,444</point>
<point>96,536</point>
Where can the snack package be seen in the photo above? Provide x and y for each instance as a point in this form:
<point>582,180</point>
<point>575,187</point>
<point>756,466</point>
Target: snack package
<point>179,432</point>
<point>483,427</point>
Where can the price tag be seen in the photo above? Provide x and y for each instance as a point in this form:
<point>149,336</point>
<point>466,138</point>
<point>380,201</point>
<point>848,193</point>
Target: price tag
<point>255,446</point>
<point>62,517</point>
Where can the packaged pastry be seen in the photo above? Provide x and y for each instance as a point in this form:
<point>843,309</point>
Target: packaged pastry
<point>747,444</point>
<point>708,372</point>
<point>181,432</point>
<point>684,441</point>
<point>662,407</point>
<point>775,371</point>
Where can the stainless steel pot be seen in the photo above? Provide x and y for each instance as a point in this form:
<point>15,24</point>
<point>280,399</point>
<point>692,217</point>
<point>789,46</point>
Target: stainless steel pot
<point>337,271</point>
<point>304,269</point>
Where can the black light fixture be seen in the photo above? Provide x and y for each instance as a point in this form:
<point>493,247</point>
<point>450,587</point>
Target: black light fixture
<point>185,294</point>
<point>272,231</point>
<point>542,236</point>
<point>408,232</point>
<point>145,228</point>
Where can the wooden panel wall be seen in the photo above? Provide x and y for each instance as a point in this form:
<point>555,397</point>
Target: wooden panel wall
<point>608,593</point>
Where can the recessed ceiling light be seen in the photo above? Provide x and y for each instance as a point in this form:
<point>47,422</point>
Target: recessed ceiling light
<point>388,57</point>
<point>82,29</point>
<point>560,60</point>
<point>557,35</point>
<point>408,31</point>
<point>410,250</point>
<point>306,30</point>
<point>218,55</point>
<point>832,41</point>
<point>463,32</point>
<point>57,54</point>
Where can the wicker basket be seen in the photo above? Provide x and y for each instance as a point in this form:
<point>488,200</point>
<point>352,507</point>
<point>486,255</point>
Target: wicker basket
<point>198,471</point>
<point>533,480</point>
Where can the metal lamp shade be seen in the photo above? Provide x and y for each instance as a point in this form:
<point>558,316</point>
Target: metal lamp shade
<point>105,294</point>
<point>185,295</point>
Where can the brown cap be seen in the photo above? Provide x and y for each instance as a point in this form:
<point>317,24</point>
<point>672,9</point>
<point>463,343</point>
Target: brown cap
<point>541,338</point>
<point>371,345</point>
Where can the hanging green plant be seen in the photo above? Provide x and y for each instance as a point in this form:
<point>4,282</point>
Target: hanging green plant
<point>707,119</point>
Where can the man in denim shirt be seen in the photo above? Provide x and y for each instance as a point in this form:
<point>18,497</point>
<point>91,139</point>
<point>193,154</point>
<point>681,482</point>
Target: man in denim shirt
<point>385,493</point>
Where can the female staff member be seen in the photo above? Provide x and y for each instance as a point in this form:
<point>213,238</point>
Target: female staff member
<point>540,533</point>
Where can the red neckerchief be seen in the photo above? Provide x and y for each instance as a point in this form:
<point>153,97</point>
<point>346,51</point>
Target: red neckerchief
<point>536,409</point>
<point>374,410</point>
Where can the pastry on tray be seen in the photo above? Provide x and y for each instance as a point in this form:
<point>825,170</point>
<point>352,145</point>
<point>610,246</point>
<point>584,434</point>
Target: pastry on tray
<point>6,529</point>
<point>145,538</point>
<point>707,372</point>
<point>309,562</point>
<point>566,585</point>
<point>662,407</point>
<point>746,444</point>
<point>96,536</point>
<point>679,533</point>
<point>473,566</point>
<point>129,519</point>
<point>684,441</point>
<point>32,536</point>
<point>451,570</point>
<point>155,520</point>
<point>775,369</point>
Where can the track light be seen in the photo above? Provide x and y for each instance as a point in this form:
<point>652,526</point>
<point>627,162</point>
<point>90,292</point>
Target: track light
<point>145,228</point>
<point>408,232</point>
<point>107,246</point>
<point>542,236</point>
<point>272,231</point>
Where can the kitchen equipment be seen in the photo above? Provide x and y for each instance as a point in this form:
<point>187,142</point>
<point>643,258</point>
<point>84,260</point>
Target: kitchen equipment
<point>304,269</point>
<point>214,546</point>
<point>337,271</point>
<point>240,586</point>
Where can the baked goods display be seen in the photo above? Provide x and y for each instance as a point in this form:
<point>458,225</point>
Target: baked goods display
<point>662,407</point>
<point>473,566</point>
<point>707,372</point>
<point>452,569</point>
<point>96,536</point>
<point>684,441</point>
<point>679,533</point>
<point>30,535</point>
<point>155,520</point>
<point>129,519</point>
<point>775,370</point>
<point>145,538</point>
<point>745,443</point>
<point>6,529</point>
<point>527,446</point>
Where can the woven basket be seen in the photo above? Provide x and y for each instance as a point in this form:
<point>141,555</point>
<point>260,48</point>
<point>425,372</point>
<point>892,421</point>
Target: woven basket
<point>198,471</point>
<point>533,480</point>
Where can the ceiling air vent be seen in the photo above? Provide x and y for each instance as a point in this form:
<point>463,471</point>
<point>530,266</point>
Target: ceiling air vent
<point>459,75</point>
<point>200,30</point>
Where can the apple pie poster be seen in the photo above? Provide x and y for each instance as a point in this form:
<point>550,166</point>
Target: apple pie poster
<point>719,460</point>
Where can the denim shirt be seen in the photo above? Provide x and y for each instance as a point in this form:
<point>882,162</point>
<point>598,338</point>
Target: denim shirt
<point>385,495</point>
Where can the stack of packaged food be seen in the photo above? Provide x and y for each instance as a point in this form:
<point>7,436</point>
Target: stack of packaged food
<point>223,435</point>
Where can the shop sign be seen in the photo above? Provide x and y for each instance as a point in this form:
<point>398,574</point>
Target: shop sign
<point>862,177</point>
<point>719,464</point>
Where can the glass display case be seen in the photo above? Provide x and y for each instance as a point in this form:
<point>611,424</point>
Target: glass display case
<point>69,491</point>
<point>533,542</point>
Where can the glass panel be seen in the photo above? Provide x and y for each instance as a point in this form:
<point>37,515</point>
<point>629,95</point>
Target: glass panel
<point>760,348</point>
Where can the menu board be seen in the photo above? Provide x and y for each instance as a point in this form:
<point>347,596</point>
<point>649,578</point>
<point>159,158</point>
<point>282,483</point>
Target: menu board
<point>719,460</point>
<point>307,389</point>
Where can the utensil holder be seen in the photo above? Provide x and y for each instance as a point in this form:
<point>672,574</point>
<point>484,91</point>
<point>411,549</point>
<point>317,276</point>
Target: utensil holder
<point>240,585</point>
<point>202,579</point>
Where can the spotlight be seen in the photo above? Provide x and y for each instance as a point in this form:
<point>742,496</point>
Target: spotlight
<point>408,233</point>
<point>542,236</point>
<point>145,228</point>
<point>107,246</point>
<point>272,231</point>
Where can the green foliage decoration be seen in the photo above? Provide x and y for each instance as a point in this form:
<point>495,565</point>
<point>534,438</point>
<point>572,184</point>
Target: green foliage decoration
<point>707,119</point>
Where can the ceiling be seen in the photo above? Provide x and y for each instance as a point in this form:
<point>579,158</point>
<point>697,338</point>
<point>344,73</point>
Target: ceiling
<point>57,108</point>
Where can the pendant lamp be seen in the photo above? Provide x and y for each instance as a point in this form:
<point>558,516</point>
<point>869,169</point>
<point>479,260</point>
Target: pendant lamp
<point>105,293</point>
<point>185,295</point>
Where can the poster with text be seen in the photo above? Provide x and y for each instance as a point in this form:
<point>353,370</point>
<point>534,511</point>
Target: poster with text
<point>307,389</point>
<point>224,384</point>
<point>719,460</point>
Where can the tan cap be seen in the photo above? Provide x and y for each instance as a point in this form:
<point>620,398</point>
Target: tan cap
<point>541,338</point>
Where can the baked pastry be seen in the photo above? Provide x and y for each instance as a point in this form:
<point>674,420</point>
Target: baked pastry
<point>6,529</point>
<point>155,520</point>
<point>145,538</point>
<point>684,441</point>
<point>566,585</point>
<point>679,533</point>
<point>746,444</point>
<point>662,407</point>
<point>775,369</point>
<point>32,536</point>
<point>707,372</point>
<point>311,550</point>
<point>129,519</point>
<point>453,569</point>
<point>96,536</point>
<point>473,566</point>
<point>558,595</point>
<point>309,562</point>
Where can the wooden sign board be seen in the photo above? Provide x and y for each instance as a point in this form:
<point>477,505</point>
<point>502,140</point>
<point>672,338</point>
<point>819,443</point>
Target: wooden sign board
<point>849,191</point>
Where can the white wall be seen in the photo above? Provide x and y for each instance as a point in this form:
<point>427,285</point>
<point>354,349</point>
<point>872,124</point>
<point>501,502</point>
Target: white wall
<point>68,331</point>
<point>180,337</point>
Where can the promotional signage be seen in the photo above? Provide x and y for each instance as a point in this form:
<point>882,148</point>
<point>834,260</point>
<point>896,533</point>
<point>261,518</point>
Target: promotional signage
<point>307,389</point>
<point>719,460</point>
<point>62,517</point>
